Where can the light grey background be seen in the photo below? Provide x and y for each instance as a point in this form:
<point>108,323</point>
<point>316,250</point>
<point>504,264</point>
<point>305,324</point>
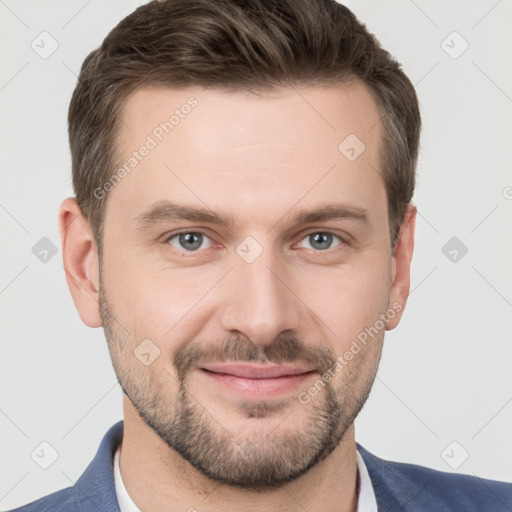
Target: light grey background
<point>445,375</point>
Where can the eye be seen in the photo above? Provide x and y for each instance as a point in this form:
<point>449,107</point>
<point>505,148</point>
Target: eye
<point>189,241</point>
<point>193,241</point>
<point>321,240</point>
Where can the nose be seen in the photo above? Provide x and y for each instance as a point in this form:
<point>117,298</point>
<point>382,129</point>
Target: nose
<point>259,301</point>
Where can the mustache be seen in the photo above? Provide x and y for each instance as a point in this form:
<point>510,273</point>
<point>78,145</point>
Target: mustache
<point>285,348</point>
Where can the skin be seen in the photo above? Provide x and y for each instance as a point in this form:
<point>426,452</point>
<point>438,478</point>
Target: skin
<point>260,159</point>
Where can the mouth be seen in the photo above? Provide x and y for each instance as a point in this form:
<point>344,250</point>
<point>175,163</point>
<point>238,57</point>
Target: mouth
<point>255,381</point>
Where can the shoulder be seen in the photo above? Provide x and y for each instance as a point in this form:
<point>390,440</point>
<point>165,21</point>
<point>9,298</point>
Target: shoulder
<point>410,486</point>
<point>60,501</point>
<point>94,491</point>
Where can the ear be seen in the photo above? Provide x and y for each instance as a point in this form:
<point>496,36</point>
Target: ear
<point>401,267</point>
<point>80,258</point>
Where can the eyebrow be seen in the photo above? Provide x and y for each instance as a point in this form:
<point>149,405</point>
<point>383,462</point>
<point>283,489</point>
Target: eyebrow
<point>165,211</point>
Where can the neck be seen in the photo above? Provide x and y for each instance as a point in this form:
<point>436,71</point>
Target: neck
<point>157,478</point>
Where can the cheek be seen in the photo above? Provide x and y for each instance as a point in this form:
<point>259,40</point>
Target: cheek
<point>347,300</point>
<point>172,305</point>
<point>161,304</point>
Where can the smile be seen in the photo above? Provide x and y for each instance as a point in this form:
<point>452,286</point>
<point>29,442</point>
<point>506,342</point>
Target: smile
<point>257,381</point>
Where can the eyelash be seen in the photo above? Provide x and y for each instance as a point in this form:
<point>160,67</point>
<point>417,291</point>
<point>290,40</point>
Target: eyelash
<point>342,242</point>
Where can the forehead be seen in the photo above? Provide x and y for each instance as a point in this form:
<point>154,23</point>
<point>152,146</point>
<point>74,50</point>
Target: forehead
<point>212,120</point>
<point>238,151</point>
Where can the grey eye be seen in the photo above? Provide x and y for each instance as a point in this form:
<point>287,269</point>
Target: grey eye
<point>321,241</point>
<point>188,240</point>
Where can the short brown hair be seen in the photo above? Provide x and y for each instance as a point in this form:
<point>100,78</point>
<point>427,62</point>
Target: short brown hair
<point>237,45</point>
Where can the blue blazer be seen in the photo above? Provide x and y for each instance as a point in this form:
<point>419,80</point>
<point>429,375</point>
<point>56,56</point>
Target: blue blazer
<point>398,487</point>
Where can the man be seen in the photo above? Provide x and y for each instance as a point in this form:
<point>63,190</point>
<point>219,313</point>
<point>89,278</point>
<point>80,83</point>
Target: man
<point>243,173</point>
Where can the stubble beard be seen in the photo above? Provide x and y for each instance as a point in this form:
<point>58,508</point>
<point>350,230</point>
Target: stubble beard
<point>254,459</point>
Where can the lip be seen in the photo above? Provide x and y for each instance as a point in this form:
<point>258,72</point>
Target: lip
<point>257,381</point>
<point>250,371</point>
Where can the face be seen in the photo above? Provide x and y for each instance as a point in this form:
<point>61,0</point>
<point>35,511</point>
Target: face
<point>245,241</point>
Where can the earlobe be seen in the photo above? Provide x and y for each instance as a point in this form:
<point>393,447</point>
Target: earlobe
<point>401,267</point>
<point>80,260</point>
